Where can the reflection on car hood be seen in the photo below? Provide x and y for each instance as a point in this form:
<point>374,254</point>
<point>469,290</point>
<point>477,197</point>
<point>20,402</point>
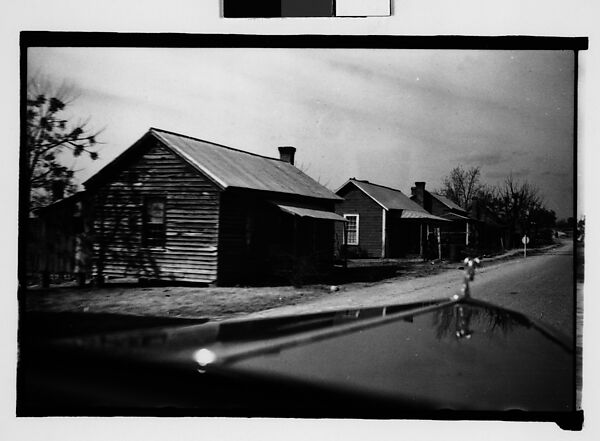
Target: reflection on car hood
<point>461,354</point>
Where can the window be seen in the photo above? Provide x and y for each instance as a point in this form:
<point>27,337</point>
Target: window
<point>352,229</point>
<point>154,231</point>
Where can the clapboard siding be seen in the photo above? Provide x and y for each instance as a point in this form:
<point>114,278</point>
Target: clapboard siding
<point>258,241</point>
<point>370,221</point>
<point>211,234</point>
<point>191,220</point>
<point>234,257</point>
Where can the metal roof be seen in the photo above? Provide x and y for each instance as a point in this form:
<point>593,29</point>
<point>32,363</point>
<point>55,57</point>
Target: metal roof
<point>447,202</point>
<point>455,216</point>
<point>392,199</point>
<point>309,212</point>
<point>388,198</point>
<point>230,167</point>
<point>408,214</point>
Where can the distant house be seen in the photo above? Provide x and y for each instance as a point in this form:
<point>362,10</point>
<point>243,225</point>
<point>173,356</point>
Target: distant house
<point>456,234</point>
<point>382,222</point>
<point>177,208</point>
<point>476,230</point>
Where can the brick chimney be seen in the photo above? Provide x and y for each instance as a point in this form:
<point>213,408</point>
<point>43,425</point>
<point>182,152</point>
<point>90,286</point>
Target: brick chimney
<point>475,208</point>
<point>418,191</point>
<point>286,153</point>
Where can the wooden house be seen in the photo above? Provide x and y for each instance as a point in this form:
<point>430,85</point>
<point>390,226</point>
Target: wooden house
<point>458,233</point>
<point>382,222</point>
<point>177,208</point>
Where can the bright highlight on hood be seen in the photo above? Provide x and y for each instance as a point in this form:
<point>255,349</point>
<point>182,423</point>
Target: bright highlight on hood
<point>204,356</point>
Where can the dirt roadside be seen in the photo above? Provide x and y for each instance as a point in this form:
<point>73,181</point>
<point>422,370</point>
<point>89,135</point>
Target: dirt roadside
<point>219,303</point>
<point>398,290</point>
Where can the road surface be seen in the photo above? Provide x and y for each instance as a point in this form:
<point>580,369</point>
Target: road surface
<point>541,286</point>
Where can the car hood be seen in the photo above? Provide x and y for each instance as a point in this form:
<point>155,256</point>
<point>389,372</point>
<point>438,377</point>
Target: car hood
<point>452,354</point>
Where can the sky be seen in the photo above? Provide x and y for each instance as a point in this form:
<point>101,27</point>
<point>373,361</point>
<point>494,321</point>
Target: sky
<point>390,116</point>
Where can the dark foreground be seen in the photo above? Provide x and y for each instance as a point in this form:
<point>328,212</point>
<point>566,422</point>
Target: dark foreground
<point>440,359</point>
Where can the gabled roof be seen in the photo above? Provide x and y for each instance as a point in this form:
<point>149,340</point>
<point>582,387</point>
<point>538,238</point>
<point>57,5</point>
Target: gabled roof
<point>482,213</point>
<point>61,204</point>
<point>391,199</point>
<point>72,199</point>
<point>447,202</point>
<point>229,167</point>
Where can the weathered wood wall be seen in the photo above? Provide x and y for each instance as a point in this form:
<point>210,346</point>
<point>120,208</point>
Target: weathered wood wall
<point>192,220</point>
<point>404,235</point>
<point>51,247</point>
<point>370,222</point>
<point>57,245</point>
<point>259,242</point>
<point>235,261</point>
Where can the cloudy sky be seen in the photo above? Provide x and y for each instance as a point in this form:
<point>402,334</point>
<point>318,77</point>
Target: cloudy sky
<point>389,116</point>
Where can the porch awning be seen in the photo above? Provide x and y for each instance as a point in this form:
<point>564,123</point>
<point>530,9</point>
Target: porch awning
<point>410,214</point>
<point>454,216</point>
<point>310,212</point>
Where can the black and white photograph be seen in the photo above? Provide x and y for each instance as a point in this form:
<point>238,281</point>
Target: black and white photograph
<point>305,229</point>
<point>299,232</point>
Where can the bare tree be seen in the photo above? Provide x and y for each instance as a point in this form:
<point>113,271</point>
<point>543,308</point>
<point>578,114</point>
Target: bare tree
<point>517,203</point>
<point>49,134</point>
<point>461,185</point>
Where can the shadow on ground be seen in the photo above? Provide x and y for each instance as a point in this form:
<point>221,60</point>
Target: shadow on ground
<point>49,325</point>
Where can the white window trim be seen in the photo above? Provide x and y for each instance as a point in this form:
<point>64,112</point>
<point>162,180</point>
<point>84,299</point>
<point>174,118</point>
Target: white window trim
<point>383,232</point>
<point>357,216</point>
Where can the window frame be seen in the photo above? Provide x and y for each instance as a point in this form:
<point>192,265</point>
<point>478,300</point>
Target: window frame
<point>150,238</point>
<point>357,216</point>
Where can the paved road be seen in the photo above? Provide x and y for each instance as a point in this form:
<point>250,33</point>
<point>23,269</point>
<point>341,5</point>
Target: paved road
<point>540,286</point>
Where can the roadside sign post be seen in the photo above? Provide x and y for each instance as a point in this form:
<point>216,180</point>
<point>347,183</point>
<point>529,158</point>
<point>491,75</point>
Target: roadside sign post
<point>439,241</point>
<point>525,241</point>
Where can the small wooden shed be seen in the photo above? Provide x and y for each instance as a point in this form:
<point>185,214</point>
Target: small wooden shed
<point>382,222</point>
<point>57,246</point>
<point>177,208</point>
